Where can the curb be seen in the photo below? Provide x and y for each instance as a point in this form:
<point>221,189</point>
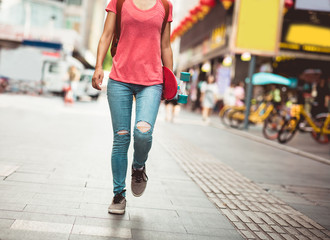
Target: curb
<point>274,144</point>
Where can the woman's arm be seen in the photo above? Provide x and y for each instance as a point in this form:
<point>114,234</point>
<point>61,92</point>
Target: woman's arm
<point>167,55</point>
<point>104,43</point>
<point>201,99</point>
<point>202,89</point>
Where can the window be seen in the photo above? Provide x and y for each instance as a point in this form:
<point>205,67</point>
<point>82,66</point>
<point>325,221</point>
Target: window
<point>54,68</point>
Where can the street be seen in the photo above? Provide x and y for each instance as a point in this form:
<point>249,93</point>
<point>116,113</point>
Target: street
<point>205,182</point>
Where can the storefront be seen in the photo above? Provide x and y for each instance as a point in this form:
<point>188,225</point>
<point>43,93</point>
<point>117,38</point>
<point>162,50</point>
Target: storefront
<point>285,37</point>
<point>304,40</point>
<point>207,39</point>
<point>207,42</point>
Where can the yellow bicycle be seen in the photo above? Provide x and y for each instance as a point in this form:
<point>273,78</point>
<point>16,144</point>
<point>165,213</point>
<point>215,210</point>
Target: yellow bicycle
<point>236,117</point>
<point>320,125</point>
<point>225,112</point>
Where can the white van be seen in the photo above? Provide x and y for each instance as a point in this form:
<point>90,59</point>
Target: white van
<point>85,87</point>
<point>55,74</point>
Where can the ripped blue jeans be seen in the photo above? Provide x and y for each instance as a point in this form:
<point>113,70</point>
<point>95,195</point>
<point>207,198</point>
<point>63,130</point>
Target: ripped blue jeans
<point>120,98</point>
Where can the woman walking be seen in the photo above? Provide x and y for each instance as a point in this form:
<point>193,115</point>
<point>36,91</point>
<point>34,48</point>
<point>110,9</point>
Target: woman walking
<point>137,71</point>
<point>209,90</point>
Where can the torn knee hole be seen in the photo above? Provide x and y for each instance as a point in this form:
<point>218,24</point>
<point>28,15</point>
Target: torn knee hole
<point>143,126</point>
<point>122,132</point>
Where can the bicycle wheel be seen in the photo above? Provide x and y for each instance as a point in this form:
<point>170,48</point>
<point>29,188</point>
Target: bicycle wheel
<point>319,136</point>
<point>272,126</point>
<point>288,130</point>
<point>304,127</point>
<point>236,119</point>
<point>225,117</point>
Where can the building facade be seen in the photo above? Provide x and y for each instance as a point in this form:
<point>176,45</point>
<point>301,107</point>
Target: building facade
<point>76,24</point>
<point>303,39</point>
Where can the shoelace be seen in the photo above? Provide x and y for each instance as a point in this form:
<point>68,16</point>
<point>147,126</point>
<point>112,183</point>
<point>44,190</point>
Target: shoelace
<point>138,175</point>
<point>118,197</point>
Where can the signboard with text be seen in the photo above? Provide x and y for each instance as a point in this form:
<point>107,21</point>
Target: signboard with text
<point>257,26</point>
<point>306,31</point>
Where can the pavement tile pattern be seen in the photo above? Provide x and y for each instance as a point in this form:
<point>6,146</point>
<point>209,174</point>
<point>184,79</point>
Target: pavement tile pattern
<point>55,181</point>
<point>56,187</point>
<point>7,169</point>
<point>254,212</point>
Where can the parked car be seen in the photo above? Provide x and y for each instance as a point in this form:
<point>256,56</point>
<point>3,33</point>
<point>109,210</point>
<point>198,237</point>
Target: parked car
<point>85,87</point>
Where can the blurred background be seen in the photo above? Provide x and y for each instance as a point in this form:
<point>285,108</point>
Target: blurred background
<point>48,48</point>
<point>254,133</point>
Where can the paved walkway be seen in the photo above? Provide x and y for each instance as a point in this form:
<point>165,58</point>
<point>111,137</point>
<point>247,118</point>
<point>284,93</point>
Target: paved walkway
<point>55,183</point>
<point>254,212</point>
<point>302,143</point>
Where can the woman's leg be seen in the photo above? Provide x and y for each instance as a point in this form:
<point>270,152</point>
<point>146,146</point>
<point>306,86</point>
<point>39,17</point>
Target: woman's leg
<point>205,113</point>
<point>120,98</point>
<point>147,105</point>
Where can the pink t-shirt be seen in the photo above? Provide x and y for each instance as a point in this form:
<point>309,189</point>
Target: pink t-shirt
<point>138,56</point>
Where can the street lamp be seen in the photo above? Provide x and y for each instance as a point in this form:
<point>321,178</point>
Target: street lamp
<point>227,3</point>
<point>246,57</point>
<point>227,61</point>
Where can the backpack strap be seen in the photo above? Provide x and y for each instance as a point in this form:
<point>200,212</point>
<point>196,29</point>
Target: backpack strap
<point>116,34</point>
<point>119,7</point>
<point>167,11</point>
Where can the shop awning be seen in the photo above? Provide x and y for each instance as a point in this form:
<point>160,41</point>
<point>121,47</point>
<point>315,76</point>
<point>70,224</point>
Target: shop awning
<point>43,44</point>
<point>271,78</point>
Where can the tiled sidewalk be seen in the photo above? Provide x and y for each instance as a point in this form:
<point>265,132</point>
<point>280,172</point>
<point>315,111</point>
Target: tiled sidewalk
<point>255,213</point>
<point>33,206</point>
<point>55,183</point>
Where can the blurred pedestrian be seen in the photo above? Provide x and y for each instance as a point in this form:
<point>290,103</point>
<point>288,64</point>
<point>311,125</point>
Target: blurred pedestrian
<point>172,109</point>
<point>200,80</point>
<point>74,77</point>
<point>320,103</point>
<point>137,71</point>
<point>209,92</point>
<point>229,96</point>
<point>274,96</point>
<point>239,94</point>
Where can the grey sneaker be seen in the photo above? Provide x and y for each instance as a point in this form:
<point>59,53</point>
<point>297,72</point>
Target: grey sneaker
<point>139,181</point>
<point>118,204</point>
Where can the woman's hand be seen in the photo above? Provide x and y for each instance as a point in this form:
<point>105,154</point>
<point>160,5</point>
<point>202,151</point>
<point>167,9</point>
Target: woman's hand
<point>97,78</point>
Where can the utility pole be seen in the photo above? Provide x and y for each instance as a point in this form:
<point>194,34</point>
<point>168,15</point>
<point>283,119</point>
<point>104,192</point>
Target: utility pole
<point>249,90</point>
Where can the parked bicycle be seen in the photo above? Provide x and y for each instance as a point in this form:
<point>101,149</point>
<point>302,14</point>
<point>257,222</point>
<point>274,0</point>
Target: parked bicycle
<point>320,125</point>
<point>273,124</point>
<point>236,117</point>
<point>225,112</point>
